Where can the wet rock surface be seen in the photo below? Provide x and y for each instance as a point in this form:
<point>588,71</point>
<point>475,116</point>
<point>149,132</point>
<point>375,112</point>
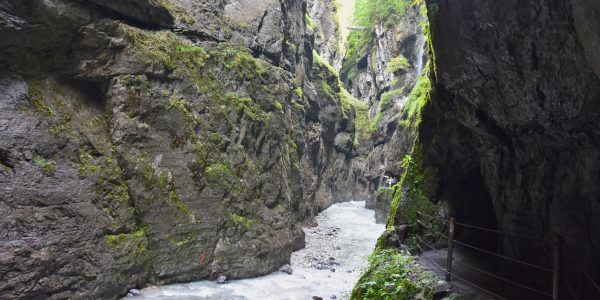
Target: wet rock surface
<point>512,129</point>
<point>132,156</point>
<point>327,31</point>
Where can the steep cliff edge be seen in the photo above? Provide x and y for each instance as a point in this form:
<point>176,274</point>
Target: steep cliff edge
<point>509,139</point>
<point>324,19</point>
<point>158,141</point>
<point>386,57</point>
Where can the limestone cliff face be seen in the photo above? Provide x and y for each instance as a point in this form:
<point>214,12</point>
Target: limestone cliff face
<point>512,128</point>
<point>158,141</point>
<point>385,77</point>
<point>324,20</point>
<point>372,75</point>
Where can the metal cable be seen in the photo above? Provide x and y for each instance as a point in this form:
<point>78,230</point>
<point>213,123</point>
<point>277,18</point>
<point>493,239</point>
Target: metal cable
<point>490,274</point>
<point>571,290</point>
<point>433,230</point>
<point>505,257</point>
<point>431,217</point>
<point>504,233</point>
<point>460,278</point>
<point>422,241</point>
<point>589,277</point>
<point>505,279</point>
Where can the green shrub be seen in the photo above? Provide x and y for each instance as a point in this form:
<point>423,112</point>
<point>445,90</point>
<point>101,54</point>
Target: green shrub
<point>398,63</point>
<point>393,276</point>
<point>415,101</point>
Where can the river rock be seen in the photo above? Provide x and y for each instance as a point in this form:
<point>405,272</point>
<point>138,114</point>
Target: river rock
<point>221,279</point>
<point>441,289</point>
<point>134,293</point>
<point>286,269</point>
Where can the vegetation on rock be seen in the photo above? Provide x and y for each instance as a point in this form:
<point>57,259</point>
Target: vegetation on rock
<point>417,98</point>
<point>398,63</point>
<point>367,15</point>
<point>135,242</point>
<point>394,275</point>
<point>47,165</point>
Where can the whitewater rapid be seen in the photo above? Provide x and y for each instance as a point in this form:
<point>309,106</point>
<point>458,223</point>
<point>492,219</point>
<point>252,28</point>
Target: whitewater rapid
<point>336,253</point>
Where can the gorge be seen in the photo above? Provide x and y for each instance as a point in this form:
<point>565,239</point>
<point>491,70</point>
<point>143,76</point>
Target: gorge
<point>152,142</point>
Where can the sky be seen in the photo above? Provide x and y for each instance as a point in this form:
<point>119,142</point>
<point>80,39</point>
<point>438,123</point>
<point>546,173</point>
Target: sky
<point>346,13</point>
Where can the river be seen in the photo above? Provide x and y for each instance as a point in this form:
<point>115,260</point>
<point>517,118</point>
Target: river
<point>336,252</point>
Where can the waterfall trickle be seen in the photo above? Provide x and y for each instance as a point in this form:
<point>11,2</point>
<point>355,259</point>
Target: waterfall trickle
<point>420,52</point>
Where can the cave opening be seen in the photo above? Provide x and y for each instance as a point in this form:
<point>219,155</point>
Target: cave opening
<point>472,204</point>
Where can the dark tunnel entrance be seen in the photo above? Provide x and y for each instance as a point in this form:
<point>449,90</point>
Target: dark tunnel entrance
<point>472,204</point>
<point>479,246</point>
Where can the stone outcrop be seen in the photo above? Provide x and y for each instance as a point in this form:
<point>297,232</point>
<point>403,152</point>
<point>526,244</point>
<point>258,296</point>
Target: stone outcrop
<point>324,18</point>
<point>386,89</point>
<point>512,129</point>
<point>371,76</point>
<point>159,141</point>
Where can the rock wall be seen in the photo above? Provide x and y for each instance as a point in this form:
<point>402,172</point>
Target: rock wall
<point>387,89</point>
<point>372,76</point>
<point>324,20</point>
<point>159,141</point>
<point>512,129</point>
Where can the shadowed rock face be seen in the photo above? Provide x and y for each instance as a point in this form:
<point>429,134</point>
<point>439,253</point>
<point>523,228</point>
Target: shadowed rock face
<point>512,128</point>
<point>131,156</point>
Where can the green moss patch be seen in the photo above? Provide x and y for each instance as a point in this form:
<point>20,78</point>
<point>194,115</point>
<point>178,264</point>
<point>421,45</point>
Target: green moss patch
<point>247,222</point>
<point>164,183</point>
<point>418,97</point>
<point>48,166</point>
<point>416,189</point>
<point>393,275</point>
<point>299,92</point>
<point>135,243</point>
<point>368,14</point>
<point>164,51</point>
<point>34,94</point>
<point>87,165</point>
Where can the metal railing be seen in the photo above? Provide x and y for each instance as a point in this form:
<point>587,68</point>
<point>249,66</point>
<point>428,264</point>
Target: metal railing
<point>554,270</point>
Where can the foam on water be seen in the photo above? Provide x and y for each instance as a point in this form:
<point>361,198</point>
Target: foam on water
<point>354,241</point>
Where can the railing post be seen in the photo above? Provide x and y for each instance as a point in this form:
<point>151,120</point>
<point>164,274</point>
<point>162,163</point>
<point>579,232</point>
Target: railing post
<point>556,272</point>
<point>450,248</point>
